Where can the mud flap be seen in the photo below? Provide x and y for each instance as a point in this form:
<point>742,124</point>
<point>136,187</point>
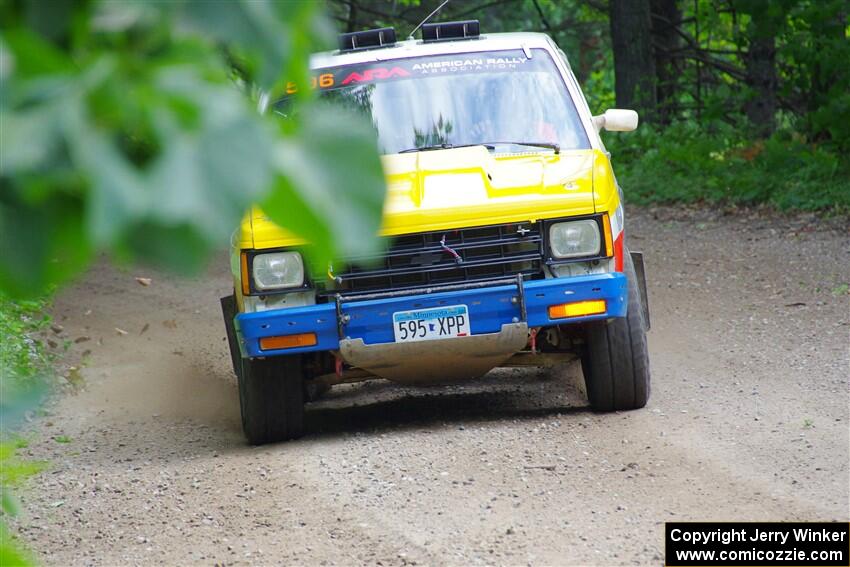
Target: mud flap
<point>637,260</point>
<point>440,361</point>
<point>228,311</point>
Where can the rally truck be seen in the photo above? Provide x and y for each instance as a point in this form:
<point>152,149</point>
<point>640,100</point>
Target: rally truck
<point>503,236</point>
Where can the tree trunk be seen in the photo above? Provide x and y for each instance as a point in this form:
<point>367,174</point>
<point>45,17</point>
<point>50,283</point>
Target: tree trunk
<point>634,65</point>
<point>665,17</point>
<point>761,78</point>
<point>761,73</point>
<point>829,75</point>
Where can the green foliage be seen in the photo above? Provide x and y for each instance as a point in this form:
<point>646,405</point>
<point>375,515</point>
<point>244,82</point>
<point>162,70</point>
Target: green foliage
<point>813,62</point>
<point>133,128</point>
<point>11,554</point>
<point>308,198</point>
<point>24,366</point>
<point>20,354</point>
<point>13,471</point>
<point>24,362</point>
<point>719,165</point>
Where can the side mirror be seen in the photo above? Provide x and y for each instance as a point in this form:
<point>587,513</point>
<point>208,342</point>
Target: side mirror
<point>616,120</point>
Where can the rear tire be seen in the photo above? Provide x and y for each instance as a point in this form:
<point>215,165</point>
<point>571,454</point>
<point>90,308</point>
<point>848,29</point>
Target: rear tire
<point>615,361</point>
<point>271,398</point>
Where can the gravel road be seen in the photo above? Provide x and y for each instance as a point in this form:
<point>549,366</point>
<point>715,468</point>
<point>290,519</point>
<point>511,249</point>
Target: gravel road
<point>748,421</point>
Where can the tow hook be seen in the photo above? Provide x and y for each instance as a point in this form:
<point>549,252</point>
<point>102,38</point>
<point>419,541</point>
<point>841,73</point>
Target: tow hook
<point>532,339</point>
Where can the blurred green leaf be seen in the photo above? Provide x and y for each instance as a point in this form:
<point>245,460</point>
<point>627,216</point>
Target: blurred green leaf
<point>10,554</point>
<point>270,52</point>
<point>41,243</point>
<point>38,128</point>
<point>8,503</point>
<point>141,143</point>
<point>333,175</point>
<point>33,56</point>
<point>17,398</point>
<point>133,128</point>
<point>252,27</point>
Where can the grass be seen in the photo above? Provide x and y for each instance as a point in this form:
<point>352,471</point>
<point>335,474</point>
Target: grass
<point>24,366</point>
<point>22,357</point>
<point>717,165</point>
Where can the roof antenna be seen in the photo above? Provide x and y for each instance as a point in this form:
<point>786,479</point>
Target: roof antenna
<point>423,22</point>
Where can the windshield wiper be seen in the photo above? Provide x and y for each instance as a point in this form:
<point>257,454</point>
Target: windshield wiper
<point>489,145</point>
<point>443,147</point>
<point>427,148</point>
<point>551,145</point>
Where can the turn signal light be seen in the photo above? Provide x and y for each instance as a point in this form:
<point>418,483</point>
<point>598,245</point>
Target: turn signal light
<point>577,309</point>
<point>288,341</point>
<point>243,264</point>
<point>609,240</point>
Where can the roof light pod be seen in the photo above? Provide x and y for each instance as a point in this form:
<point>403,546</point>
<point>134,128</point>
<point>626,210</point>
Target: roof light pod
<point>368,39</point>
<point>445,31</point>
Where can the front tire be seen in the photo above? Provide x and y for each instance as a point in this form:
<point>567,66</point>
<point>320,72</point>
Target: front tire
<point>615,361</point>
<point>228,310</point>
<point>271,397</point>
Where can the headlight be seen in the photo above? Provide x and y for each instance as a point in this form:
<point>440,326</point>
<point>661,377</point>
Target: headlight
<point>574,239</point>
<point>278,270</point>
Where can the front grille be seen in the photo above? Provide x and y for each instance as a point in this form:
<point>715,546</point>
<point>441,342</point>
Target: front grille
<point>420,260</point>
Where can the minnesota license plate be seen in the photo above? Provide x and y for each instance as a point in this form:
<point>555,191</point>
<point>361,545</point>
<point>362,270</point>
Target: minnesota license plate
<point>431,324</point>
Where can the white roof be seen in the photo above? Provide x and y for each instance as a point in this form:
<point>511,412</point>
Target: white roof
<point>416,48</point>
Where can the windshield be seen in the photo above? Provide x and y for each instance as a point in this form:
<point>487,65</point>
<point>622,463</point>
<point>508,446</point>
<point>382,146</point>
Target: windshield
<point>501,99</point>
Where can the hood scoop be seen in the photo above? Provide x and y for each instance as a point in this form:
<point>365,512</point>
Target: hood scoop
<point>467,176</point>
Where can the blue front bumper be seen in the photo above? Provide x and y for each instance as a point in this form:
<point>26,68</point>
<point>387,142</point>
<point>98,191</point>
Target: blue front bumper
<point>489,309</point>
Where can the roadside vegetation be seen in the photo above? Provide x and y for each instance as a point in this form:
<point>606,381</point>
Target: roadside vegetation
<point>142,141</point>
<point>21,356</point>
<point>686,163</point>
<point>741,102</point>
<point>25,370</point>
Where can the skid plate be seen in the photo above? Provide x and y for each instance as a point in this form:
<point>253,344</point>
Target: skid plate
<point>438,361</point>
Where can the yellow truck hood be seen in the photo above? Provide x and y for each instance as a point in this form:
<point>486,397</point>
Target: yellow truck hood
<point>464,187</point>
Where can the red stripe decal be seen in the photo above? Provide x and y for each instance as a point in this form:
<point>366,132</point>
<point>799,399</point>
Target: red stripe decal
<point>618,252</point>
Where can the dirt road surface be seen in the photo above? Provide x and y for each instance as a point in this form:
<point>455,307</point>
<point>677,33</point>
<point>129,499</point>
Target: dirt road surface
<point>748,421</point>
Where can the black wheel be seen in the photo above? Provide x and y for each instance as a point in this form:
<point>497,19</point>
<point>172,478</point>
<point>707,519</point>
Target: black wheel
<point>271,397</point>
<point>314,392</point>
<point>615,360</point>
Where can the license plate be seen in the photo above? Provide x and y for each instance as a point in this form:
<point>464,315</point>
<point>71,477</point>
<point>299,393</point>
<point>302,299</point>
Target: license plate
<point>431,324</point>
